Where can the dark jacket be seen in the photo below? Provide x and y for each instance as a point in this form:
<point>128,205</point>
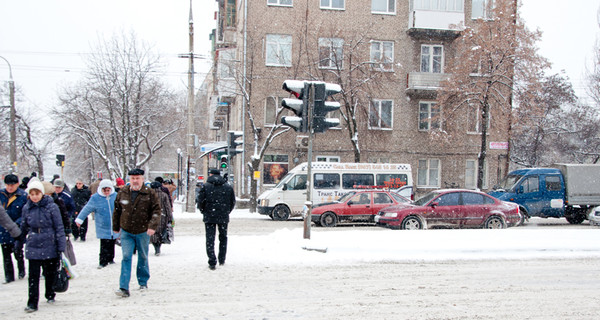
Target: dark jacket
<point>216,200</point>
<point>64,213</point>
<point>80,197</point>
<point>66,197</point>
<point>137,216</point>
<point>44,229</point>
<point>13,205</point>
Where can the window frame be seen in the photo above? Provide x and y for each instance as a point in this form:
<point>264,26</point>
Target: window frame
<point>330,5</point>
<point>430,116</point>
<point>269,42</point>
<point>470,110</point>
<point>431,58</point>
<point>334,46</point>
<point>486,8</point>
<point>459,5</point>
<point>428,173</point>
<point>471,174</point>
<point>277,100</point>
<point>387,11</point>
<point>277,3</point>
<point>379,113</point>
<point>381,63</point>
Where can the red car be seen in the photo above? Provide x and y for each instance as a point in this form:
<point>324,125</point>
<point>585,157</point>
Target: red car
<point>355,206</point>
<point>451,207</point>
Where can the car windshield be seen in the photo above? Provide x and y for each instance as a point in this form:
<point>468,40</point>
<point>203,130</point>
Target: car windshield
<point>509,182</point>
<point>284,180</point>
<point>347,196</point>
<point>399,198</point>
<point>426,198</point>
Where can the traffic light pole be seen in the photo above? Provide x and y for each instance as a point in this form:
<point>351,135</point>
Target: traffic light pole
<point>309,182</point>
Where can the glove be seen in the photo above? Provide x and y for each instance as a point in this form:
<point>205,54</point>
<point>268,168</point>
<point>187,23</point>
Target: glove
<point>19,242</point>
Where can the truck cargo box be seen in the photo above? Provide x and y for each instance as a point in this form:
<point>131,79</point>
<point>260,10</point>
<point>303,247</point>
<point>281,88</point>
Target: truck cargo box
<point>582,183</point>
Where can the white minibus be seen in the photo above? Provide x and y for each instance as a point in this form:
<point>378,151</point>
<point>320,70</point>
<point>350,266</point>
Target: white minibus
<point>331,180</point>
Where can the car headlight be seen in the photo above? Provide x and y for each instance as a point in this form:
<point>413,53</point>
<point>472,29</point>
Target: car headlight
<point>264,202</point>
<point>390,214</point>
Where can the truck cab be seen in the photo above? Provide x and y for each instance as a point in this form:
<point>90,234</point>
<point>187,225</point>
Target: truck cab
<point>540,192</point>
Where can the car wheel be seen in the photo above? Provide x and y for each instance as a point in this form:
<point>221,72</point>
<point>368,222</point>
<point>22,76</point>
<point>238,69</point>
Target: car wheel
<point>575,219</point>
<point>412,223</point>
<point>281,213</point>
<point>329,219</point>
<point>494,222</point>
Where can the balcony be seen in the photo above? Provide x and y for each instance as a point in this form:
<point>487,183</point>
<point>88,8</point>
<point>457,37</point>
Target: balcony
<point>431,24</point>
<point>424,84</point>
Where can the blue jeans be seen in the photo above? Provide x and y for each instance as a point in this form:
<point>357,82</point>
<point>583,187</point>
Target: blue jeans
<point>130,241</point>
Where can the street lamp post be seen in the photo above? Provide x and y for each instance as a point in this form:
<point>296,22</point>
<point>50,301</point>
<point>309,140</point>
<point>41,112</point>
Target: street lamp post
<point>13,130</point>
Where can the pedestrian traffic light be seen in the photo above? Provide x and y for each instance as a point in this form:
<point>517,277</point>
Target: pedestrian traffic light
<point>301,90</point>
<point>232,143</point>
<point>60,160</point>
<point>320,122</point>
<point>224,162</point>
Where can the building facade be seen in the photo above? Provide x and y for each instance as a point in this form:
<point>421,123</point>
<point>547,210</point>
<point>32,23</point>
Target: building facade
<point>389,57</point>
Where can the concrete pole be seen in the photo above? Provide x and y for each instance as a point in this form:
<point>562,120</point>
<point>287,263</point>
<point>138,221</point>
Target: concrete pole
<point>13,119</point>
<point>191,158</point>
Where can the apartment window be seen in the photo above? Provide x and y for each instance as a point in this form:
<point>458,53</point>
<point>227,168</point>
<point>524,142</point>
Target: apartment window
<point>428,174</point>
<point>383,6</point>
<point>231,13</point>
<point>332,4</point>
<point>429,116</point>
<point>474,119</point>
<point>439,5</point>
<point>482,9</point>
<point>328,159</point>
<point>279,50</point>
<point>432,57</point>
<point>271,106</point>
<point>287,3</point>
<point>380,114</point>
<point>382,55</point>
<point>471,174</point>
<point>330,53</point>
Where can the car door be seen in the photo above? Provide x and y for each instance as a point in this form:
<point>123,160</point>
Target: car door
<point>554,194</point>
<point>380,201</point>
<point>295,194</point>
<point>528,194</point>
<point>446,210</point>
<point>358,205</point>
<point>474,209</point>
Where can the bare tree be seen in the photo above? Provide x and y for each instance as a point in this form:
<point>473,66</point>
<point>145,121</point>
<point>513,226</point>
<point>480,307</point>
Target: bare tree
<point>493,57</point>
<point>121,110</point>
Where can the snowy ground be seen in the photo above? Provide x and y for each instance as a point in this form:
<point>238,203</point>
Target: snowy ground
<point>516,273</point>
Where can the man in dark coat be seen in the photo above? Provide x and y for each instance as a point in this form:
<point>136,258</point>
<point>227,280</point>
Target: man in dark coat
<point>12,199</point>
<point>81,195</point>
<point>136,216</point>
<point>216,200</point>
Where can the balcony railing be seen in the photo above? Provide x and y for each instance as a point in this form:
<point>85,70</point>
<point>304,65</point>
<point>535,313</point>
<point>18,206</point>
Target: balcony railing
<point>424,83</point>
<point>440,24</point>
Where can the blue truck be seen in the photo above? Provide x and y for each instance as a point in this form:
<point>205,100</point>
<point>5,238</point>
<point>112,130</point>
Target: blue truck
<point>564,190</point>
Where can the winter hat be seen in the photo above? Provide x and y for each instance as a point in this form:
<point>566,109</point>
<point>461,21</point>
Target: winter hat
<point>105,183</point>
<point>11,179</point>
<point>59,183</point>
<point>155,185</point>
<point>136,172</point>
<point>159,179</point>
<point>48,187</point>
<point>215,171</point>
<point>35,185</point>
<point>120,182</point>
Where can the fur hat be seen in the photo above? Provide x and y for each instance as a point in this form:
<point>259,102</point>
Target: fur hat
<point>35,185</point>
<point>11,179</point>
<point>48,187</point>
<point>136,172</point>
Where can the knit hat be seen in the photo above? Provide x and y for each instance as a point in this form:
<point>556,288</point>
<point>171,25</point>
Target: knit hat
<point>35,185</point>
<point>120,182</point>
<point>48,187</point>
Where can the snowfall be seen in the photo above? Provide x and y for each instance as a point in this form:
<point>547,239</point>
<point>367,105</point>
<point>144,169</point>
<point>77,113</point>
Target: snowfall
<point>339,273</point>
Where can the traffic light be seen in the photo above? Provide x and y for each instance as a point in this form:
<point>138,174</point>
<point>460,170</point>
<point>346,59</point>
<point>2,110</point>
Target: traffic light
<point>319,121</point>
<point>224,162</point>
<point>301,90</point>
<point>60,160</point>
<point>232,144</point>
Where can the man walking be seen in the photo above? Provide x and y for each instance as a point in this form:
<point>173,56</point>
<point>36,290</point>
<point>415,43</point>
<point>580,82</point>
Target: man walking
<point>12,199</point>
<point>60,188</point>
<point>136,217</point>
<point>81,195</point>
<point>216,200</point>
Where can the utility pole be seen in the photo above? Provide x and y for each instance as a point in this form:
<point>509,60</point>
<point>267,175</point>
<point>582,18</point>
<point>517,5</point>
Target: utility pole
<point>13,116</point>
<point>191,159</point>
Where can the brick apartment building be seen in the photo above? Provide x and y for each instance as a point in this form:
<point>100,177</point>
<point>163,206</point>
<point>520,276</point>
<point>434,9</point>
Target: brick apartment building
<point>389,54</point>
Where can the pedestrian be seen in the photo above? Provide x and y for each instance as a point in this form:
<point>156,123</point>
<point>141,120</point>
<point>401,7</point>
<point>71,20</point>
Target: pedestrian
<point>166,217</point>
<point>120,184</point>
<point>94,186</point>
<point>216,200</point>
<point>45,242</point>
<point>62,208</point>
<point>81,195</point>
<point>102,203</point>
<point>13,199</point>
<point>136,217</point>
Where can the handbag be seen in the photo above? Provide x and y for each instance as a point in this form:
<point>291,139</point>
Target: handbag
<point>167,235</point>
<point>61,280</point>
<point>70,253</point>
